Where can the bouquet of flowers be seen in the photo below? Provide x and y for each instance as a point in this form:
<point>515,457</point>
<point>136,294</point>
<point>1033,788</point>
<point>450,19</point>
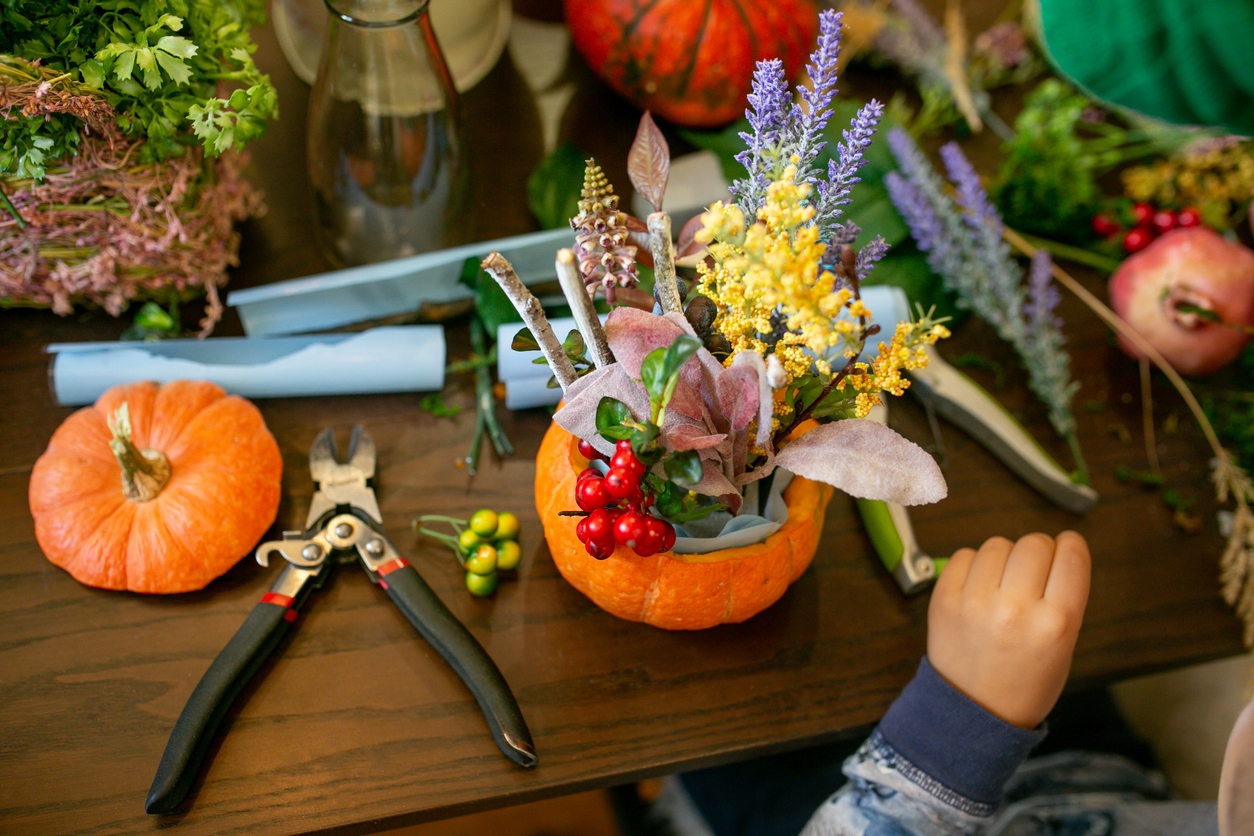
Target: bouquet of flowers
<point>762,365</point>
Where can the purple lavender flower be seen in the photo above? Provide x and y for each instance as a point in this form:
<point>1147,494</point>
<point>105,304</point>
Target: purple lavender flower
<point>916,211</point>
<point>977,208</point>
<point>808,122</point>
<point>767,115</point>
<point>964,246</point>
<point>842,170</point>
<point>868,256</point>
<point>1043,296</point>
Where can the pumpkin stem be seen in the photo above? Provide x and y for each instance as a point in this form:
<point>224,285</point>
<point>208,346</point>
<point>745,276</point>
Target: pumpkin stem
<point>144,472</point>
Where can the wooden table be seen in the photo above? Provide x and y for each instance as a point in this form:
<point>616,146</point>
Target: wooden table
<point>357,725</point>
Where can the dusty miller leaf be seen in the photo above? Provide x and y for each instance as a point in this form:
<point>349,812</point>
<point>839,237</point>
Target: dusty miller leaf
<point>649,162</point>
<point>866,460</point>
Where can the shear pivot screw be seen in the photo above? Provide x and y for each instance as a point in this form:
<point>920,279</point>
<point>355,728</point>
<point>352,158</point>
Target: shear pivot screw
<point>375,547</point>
<point>311,552</point>
<point>343,530</point>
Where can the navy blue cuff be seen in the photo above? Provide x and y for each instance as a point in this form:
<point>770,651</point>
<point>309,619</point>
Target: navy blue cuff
<point>953,739</point>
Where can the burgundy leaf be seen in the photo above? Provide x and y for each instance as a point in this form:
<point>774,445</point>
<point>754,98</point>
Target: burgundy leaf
<point>649,162</point>
<point>686,244</point>
<point>634,224</point>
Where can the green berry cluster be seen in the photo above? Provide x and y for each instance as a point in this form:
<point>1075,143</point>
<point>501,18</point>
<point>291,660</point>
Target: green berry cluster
<point>485,545</point>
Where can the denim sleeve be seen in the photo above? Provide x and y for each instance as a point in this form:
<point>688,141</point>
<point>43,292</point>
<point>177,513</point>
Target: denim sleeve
<point>935,766</point>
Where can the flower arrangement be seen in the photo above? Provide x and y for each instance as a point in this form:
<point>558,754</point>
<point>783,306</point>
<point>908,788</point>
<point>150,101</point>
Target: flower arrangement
<point>765,363</point>
<point>118,179</point>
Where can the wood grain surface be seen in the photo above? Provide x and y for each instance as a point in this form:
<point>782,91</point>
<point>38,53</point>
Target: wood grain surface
<point>356,725</point>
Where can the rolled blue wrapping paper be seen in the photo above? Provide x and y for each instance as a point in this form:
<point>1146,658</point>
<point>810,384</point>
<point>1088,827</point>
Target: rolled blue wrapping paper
<point>404,358</point>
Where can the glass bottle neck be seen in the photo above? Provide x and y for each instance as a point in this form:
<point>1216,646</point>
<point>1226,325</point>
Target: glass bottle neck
<point>377,14</point>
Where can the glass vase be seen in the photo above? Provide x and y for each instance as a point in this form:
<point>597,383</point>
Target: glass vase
<point>386,161</point>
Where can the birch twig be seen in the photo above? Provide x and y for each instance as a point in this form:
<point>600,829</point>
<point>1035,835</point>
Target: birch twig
<point>529,308</point>
<point>582,309</point>
<point>664,263</point>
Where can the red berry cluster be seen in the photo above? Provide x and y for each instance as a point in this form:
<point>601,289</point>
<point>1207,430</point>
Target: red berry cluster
<point>1148,223</point>
<point>617,506</point>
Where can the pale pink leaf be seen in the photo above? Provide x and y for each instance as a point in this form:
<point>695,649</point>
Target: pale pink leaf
<point>866,460</point>
<point>649,162</point>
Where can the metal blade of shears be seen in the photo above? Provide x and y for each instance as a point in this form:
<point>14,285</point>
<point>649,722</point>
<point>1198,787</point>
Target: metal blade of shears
<point>341,484</point>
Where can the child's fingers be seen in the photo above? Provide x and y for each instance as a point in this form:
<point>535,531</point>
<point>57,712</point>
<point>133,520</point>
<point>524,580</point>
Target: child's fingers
<point>989,565</point>
<point>954,575</point>
<point>1027,567</point>
<point>1068,584</point>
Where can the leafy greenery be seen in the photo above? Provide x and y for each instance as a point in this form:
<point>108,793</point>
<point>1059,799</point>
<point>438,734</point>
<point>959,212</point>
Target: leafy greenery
<point>158,63</point>
<point>1047,183</point>
<point>154,322</point>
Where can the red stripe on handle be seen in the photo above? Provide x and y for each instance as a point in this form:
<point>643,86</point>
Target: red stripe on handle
<point>391,566</point>
<point>280,600</point>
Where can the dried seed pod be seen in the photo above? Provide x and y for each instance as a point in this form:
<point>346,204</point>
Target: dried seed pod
<point>700,313</point>
<point>717,344</point>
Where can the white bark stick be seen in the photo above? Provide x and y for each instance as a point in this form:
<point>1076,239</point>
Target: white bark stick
<point>529,308</point>
<point>582,309</point>
<point>664,263</point>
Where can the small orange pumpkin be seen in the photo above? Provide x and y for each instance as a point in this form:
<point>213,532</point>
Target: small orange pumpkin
<point>165,505</point>
<point>668,590</point>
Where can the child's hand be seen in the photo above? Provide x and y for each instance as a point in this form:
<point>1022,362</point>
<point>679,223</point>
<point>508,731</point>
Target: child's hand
<point>1003,622</point>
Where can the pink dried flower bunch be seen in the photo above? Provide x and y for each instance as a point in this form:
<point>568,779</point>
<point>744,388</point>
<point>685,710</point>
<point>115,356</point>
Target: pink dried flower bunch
<point>102,230</point>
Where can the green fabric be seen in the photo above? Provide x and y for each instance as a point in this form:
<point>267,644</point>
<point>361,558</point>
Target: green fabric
<point>1185,61</point>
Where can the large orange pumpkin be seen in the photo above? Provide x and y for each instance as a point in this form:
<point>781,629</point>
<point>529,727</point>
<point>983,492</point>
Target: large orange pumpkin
<point>668,590</point>
<point>205,492</point>
<point>690,61</point>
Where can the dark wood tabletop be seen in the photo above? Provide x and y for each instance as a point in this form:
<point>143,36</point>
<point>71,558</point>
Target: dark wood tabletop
<point>357,725</point>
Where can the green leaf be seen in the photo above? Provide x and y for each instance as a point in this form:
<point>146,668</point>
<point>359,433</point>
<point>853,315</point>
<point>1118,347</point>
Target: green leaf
<point>435,405</point>
<point>611,413</point>
<point>92,72</point>
<point>176,45</point>
<point>524,340</point>
<point>574,344</point>
<point>178,72</point>
<point>553,189</point>
<point>641,438</point>
<point>147,62</point>
<point>683,468</point>
<point>678,354</point>
<point>123,66</point>
<point>651,374</point>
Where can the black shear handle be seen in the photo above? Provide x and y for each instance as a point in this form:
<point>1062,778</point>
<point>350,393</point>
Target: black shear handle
<point>463,652</point>
<point>239,660</point>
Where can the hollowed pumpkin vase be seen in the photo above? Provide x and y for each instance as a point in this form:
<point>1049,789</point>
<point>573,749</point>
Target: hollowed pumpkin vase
<point>668,590</point>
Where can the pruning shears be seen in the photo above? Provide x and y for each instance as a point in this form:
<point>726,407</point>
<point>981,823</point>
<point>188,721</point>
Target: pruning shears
<point>343,520</point>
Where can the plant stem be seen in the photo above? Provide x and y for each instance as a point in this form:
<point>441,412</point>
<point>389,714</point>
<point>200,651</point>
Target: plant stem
<point>1078,255</point>
<point>1119,325</point>
<point>529,308</point>
<point>12,210</point>
<point>144,473</point>
<point>664,263</point>
<point>485,406</point>
<point>582,309</point>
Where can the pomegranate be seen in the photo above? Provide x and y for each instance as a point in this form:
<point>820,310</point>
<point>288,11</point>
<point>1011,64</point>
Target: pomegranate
<point>1190,294</point>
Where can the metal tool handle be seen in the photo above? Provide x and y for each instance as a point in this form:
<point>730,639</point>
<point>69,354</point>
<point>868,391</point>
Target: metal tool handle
<point>462,651</point>
<point>251,645</point>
